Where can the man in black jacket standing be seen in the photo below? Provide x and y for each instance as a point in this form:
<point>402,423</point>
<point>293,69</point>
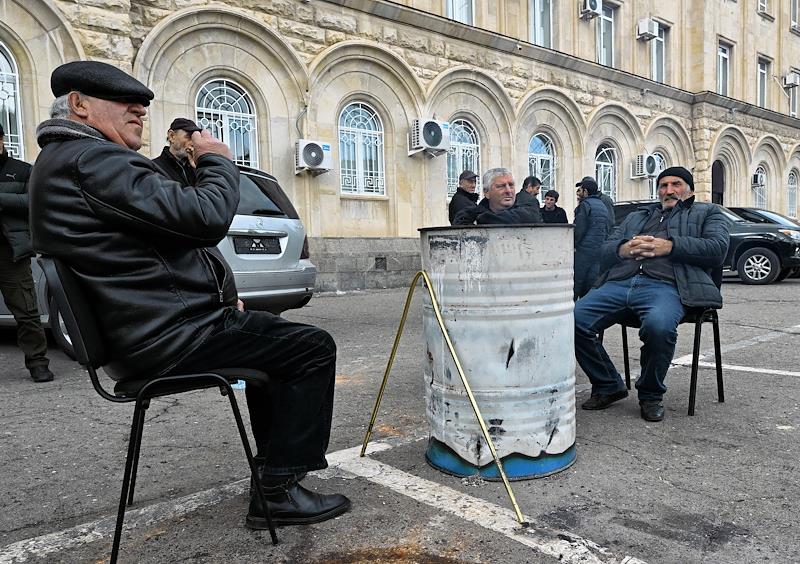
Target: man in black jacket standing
<point>655,264</point>
<point>465,195</point>
<point>592,226</point>
<point>16,279</point>
<point>143,247</point>
<point>529,193</point>
<point>551,213</point>
<point>176,159</point>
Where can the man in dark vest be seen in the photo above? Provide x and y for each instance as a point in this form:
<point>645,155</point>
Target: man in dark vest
<point>176,159</point>
<point>16,280</point>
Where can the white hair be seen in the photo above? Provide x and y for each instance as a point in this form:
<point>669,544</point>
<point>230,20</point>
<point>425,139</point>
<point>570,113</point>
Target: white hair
<point>60,107</point>
<point>488,177</point>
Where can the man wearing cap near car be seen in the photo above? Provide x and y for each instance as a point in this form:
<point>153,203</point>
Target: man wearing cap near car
<point>16,278</point>
<point>143,248</point>
<point>176,158</point>
<point>465,195</point>
<point>655,264</point>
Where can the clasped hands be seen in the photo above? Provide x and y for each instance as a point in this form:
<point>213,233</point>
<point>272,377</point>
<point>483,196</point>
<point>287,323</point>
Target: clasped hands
<point>645,246</point>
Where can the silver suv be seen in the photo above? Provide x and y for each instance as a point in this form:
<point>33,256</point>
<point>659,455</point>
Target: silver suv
<point>266,247</point>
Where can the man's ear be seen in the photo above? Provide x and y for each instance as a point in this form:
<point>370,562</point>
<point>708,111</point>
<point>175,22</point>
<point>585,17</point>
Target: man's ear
<point>78,104</point>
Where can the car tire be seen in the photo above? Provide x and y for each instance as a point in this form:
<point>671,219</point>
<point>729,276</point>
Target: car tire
<point>758,266</point>
<point>59,331</point>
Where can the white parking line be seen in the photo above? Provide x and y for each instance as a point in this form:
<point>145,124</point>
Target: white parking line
<point>743,344</point>
<point>737,368</point>
<point>559,544</point>
<point>562,545</point>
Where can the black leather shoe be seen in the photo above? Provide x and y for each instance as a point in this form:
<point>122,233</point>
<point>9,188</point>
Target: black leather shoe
<point>41,374</point>
<point>292,504</point>
<point>602,401</point>
<point>652,410</point>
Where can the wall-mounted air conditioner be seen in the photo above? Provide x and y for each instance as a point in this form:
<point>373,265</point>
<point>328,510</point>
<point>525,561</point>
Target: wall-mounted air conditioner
<point>645,166</point>
<point>758,179</point>
<point>590,9</point>
<point>791,80</point>
<point>313,156</point>
<point>430,136</point>
<point>647,29</point>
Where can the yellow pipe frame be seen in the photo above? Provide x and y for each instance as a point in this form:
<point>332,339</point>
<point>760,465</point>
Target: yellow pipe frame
<point>435,304</point>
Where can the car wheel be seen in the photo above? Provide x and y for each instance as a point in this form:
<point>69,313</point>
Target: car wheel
<point>758,266</point>
<point>59,330</point>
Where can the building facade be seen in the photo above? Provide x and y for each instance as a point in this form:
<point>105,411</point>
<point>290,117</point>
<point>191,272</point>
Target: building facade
<point>560,88</point>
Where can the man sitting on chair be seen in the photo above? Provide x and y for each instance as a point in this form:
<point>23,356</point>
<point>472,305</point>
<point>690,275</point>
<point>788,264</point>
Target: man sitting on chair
<point>143,247</point>
<point>655,264</point>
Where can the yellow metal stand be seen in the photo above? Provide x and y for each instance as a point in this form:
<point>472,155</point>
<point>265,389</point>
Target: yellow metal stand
<point>435,304</point>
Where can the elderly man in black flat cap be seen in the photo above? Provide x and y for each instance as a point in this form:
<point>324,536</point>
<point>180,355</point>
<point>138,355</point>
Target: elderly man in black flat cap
<point>143,247</point>
<point>465,195</point>
<point>655,264</point>
<point>177,159</point>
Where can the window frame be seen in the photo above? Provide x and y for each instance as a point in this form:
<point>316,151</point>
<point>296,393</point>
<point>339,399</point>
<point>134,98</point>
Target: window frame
<point>791,194</point>
<point>223,131</point>
<point>760,190</point>
<point>536,161</point>
<point>611,165</point>
<point>362,174</point>
<point>794,14</point>
<point>723,64</point>
<point>536,30</point>
<point>451,9</point>
<point>762,82</point>
<point>456,160</point>
<point>601,19</point>
<point>14,138</point>
<point>660,39</point>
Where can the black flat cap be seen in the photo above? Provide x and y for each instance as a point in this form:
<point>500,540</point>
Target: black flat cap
<point>99,80</point>
<point>186,124</point>
<point>467,175</point>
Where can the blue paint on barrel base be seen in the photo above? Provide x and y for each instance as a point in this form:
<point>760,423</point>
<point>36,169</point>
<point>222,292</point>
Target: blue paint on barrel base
<point>517,466</point>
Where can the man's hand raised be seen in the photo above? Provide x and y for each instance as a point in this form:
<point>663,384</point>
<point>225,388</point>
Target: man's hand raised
<point>204,143</point>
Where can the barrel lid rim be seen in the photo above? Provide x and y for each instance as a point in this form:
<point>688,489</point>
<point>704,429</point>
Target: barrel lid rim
<point>494,226</point>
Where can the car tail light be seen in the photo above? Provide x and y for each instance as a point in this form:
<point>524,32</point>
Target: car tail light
<point>304,254</point>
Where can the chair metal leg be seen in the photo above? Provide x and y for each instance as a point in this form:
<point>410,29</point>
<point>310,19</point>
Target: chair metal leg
<point>133,440</point>
<point>139,433</point>
<point>698,329</point>
<point>253,469</point>
<point>718,358</point>
<point>625,358</point>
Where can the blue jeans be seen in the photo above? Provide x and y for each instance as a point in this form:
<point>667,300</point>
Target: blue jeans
<point>657,305</point>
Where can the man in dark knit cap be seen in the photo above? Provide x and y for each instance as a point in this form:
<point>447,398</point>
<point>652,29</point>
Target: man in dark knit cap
<point>654,265</point>
<point>144,249</point>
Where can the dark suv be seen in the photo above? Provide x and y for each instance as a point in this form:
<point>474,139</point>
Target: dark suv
<point>760,253</point>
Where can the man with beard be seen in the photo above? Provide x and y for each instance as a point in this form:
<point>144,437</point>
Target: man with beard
<point>176,159</point>
<point>655,264</point>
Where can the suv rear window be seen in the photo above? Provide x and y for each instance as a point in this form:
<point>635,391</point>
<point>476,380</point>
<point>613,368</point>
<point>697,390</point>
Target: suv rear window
<point>268,189</point>
<point>253,201</point>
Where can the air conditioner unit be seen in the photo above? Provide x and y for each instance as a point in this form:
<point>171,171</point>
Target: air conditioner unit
<point>591,9</point>
<point>795,26</point>
<point>645,166</point>
<point>791,80</point>
<point>314,156</point>
<point>758,179</point>
<point>647,29</point>
<point>430,136</point>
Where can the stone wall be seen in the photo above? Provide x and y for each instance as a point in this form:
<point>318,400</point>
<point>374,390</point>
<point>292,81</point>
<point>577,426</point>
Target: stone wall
<point>346,263</point>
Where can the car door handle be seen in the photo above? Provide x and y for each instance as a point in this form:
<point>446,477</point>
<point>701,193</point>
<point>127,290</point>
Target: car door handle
<point>257,232</point>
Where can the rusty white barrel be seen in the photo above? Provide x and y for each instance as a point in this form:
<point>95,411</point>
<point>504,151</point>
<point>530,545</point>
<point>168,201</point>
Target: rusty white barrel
<point>506,298</point>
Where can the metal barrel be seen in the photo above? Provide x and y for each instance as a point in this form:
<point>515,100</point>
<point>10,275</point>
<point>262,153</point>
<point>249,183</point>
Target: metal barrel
<point>506,298</point>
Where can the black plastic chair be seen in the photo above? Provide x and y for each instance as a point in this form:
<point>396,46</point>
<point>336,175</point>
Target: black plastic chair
<point>90,352</point>
<point>697,316</point>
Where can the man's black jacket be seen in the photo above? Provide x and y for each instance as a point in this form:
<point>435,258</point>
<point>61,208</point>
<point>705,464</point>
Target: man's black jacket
<point>141,244</point>
<point>14,205</point>
<point>460,200</point>
<point>175,169</point>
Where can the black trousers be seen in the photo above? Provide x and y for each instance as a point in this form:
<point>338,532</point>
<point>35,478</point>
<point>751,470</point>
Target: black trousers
<point>291,414</point>
<point>19,294</point>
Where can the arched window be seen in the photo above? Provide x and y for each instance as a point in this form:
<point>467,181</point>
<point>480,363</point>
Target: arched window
<point>542,161</point>
<point>791,195</point>
<point>10,117</point>
<point>464,154</point>
<point>605,167</point>
<point>224,108</point>
<point>361,150</point>
<point>760,188</point>
<point>661,164</point>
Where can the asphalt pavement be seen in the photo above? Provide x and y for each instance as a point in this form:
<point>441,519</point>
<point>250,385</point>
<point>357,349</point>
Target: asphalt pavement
<point>719,487</point>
